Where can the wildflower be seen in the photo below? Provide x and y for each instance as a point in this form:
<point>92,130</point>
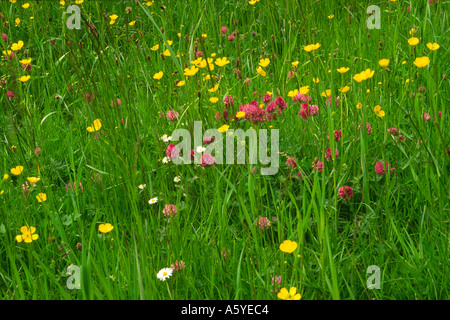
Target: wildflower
<point>222,61</point>
<point>264,62</point>
<point>289,295</point>
<point>291,162</point>
<point>312,47</point>
<point>16,171</point>
<point>364,75</point>
<point>165,160</point>
<point>200,149</point>
<point>158,75</point>
<point>433,46</point>
<point>178,265</point>
<point>379,168</point>
<point>288,246</point>
<point>345,192</point>
<point>190,71</point>
<point>240,114</point>
<point>328,154</point>
<point>142,186</point>
<point>261,71</point>
<point>342,70</point>
<point>224,128</point>
<point>172,152</point>
<point>24,78</point>
<point>153,200</point>
<point>276,280</point>
<point>228,101</point>
<point>208,160</point>
<point>316,80</point>
<point>176,179</point>
<point>172,115</point>
<point>170,210</point>
<point>33,179</point>
<point>224,30</point>
<point>96,126</point>
<point>368,127</point>
<point>214,89</point>
<point>10,94</point>
<point>5,176</point>
<point>393,131</point>
<point>421,62</point>
<point>295,63</point>
<point>316,164</point>
<point>213,99</point>
<point>155,47</point>
<point>231,37</point>
<point>132,23</point>
<point>344,89</point>
<point>17,21</point>
<point>337,135</point>
<point>41,197</point>
<point>383,63</point>
<point>208,140</point>
<point>164,274</point>
<point>378,111</point>
<point>25,61</point>
<point>105,228</point>
<point>426,116</point>
<point>413,41</point>
<point>27,235</point>
<point>263,223</point>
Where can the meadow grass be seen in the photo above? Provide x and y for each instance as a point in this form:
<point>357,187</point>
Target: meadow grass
<point>398,221</point>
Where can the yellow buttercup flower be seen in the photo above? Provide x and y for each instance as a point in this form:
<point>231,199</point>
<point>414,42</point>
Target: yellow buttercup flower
<point>6,176</point>
<point>224,128</point>
<point>316,80</point>
<point>292,93</point>
<point>413,41</point>
<point>27,235</point>
<point>289,295</point>
<point>26,5</point>
<point>295,63</point>
<point>326,93</point>
<point>312,47</point>
<point>240,114</point>
<point>96,126</point>
<point>264,62</point>
<point>222,61</point>
<point>213,99</point>
<point>344,89</point>
<point>132,23</point>
<point>25,61</point>
<point>378,111</point>
<point>342,70</point>
<point>33,179</point>
<point>304,89</point>
<point>17,21</point>
<point>433,46</point>
<point>190,71</point>
<point>214,89</point>
<point>181,83</point>
<point>359,105</point>
<point>41,197</point>
<point>288,246</point>
<point>383,63</point>
<point>261,71</point>
<point>24,78</point>
<point>166,53</point>
<point>158,75</point>
<point>17,46</point>
<point>421,62</point>
<point>16,171</point>
<point>105,228</point>
<point>155,47</point>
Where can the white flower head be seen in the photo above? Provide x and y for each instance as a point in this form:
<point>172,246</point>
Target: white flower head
<point>142,186</point>
<point>176,179</point>
<point>200,149</point>
<point>164,274</point>
<point>165,160</point>
<point>164,137</point>
<point>153,200</point>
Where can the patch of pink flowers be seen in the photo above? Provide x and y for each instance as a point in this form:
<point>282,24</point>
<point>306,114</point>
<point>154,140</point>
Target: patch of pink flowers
<point>328,154</point>
<point>208,160</point>
<point>178,265</point>
<point>380,169</point>
<point>263,223</point>
<point>276,282</point>
<point>345,192</point>
<point>369,128</point>
<point>170,210</point>
<point>291,162</point>
<point>317,165</point>
<point>172,152</point>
